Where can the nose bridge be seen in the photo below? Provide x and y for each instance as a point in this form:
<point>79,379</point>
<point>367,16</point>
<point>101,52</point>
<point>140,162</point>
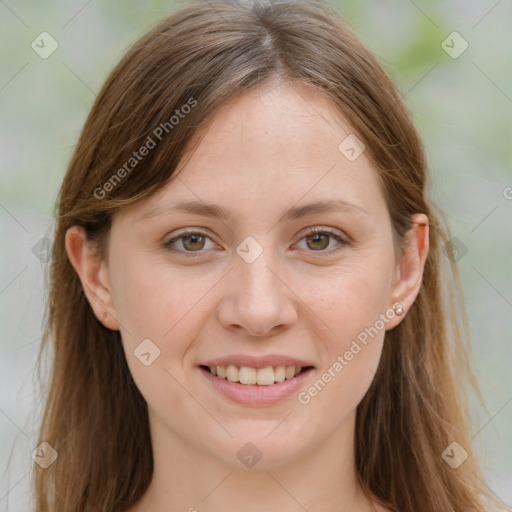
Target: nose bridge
<point>259,299</point>
<point>257,282</point>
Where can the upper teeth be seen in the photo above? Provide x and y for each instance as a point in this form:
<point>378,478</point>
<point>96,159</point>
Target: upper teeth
<point>261,376</point>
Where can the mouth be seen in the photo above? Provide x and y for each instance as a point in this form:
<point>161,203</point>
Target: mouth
<point>249,376</point>
<point>258,385</point>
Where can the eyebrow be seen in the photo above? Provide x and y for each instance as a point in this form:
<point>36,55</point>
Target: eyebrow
<point>217,211</point>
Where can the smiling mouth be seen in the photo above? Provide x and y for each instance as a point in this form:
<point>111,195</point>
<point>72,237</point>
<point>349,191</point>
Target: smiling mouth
<point>256,376</point>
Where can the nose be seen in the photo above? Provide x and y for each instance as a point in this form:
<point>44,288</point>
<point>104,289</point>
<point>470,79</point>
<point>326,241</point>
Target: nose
<point>258,299</point>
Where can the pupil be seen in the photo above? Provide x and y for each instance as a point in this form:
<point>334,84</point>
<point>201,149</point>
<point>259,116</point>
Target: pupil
<point>316,238</point>
<point>193,238</point>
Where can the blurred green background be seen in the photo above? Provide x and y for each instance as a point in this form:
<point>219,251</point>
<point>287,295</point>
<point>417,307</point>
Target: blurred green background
<point>461,104</point>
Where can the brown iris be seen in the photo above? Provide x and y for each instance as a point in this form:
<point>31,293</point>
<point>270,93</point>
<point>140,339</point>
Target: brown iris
<point>194,239</point>
<point>316,236</point>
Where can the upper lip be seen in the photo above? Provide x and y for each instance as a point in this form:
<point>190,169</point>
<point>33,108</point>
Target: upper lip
<point>256,362</point>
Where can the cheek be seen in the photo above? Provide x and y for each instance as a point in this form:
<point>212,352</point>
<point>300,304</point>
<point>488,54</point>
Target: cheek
<point>351,353</point>
<point>351,298</point>
<point>352,307</point>
<point>154,301</point>
<point>165,306</point>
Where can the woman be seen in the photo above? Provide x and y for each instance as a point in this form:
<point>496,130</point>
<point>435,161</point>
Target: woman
<point>246,302</point>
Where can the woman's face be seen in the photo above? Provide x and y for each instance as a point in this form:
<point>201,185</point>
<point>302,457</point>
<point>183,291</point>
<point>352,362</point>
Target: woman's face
<point>254,288</point>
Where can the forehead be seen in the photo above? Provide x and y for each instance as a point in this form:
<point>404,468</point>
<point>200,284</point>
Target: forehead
<point>272,146</point>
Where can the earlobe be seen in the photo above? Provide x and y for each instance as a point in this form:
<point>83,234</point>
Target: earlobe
<point>411,266</point>
<point>93,274</point>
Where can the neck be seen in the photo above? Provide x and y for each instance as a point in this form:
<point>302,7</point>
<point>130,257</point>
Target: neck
<point>189,479</point>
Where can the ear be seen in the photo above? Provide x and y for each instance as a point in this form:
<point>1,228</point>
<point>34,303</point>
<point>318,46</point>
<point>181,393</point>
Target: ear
<point>409,271</point>
<point>93,274</point>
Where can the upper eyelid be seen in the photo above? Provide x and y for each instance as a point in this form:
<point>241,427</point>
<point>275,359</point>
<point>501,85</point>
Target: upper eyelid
<point>303,232</point>
<point>345,239</point>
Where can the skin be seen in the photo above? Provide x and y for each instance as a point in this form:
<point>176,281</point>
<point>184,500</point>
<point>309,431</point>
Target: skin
<point>267,151</point>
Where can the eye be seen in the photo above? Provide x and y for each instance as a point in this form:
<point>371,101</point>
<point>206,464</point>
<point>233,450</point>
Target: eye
<point>317,239</point>
<point>192,241</point>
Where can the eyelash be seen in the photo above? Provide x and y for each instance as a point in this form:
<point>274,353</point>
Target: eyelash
<point>342,241</point>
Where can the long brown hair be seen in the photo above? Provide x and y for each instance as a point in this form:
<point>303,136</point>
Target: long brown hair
<point>203,56</point>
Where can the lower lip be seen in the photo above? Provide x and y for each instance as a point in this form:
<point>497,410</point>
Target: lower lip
<point>252,394</point>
